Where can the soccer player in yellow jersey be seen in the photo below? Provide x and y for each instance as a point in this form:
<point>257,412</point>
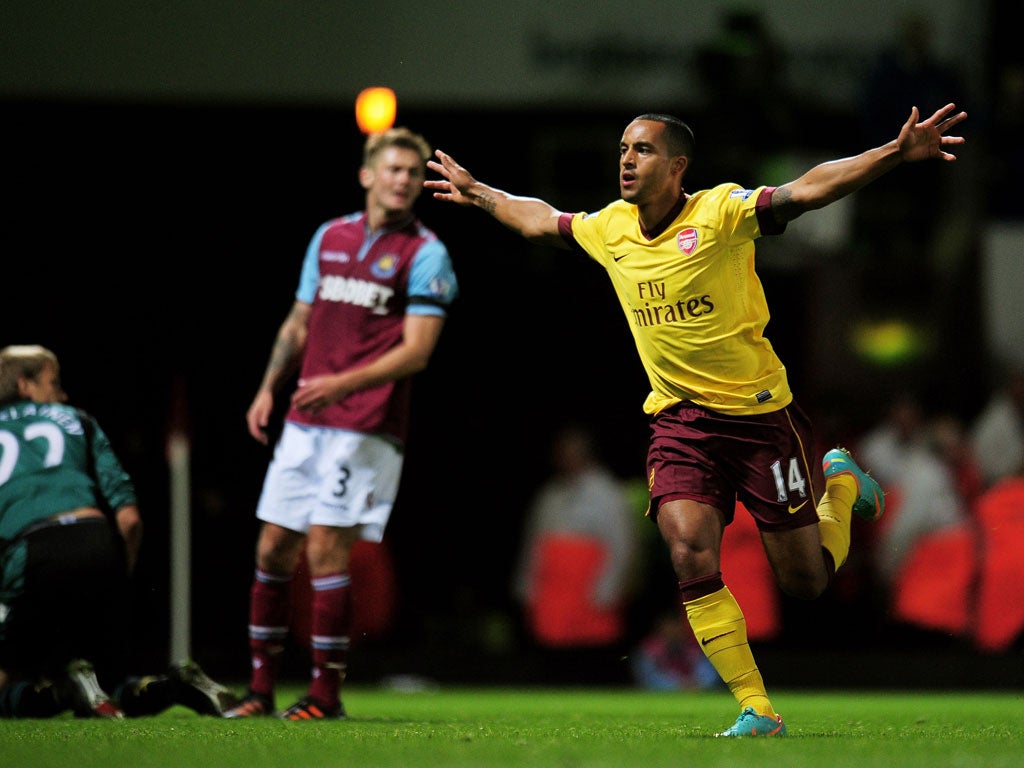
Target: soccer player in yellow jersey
<point>724,425</point>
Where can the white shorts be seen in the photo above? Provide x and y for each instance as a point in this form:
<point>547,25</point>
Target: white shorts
<point>332,477</point>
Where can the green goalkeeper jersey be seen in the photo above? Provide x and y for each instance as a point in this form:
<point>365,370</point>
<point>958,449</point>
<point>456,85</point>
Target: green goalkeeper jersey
<point>55,458</point>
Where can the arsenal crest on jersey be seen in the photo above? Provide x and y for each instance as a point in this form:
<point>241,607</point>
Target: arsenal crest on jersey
<point>687,240</point>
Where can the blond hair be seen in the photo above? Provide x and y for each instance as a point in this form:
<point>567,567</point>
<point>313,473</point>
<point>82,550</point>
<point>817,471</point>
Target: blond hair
<point>22,361</point>
<point>394,137</point>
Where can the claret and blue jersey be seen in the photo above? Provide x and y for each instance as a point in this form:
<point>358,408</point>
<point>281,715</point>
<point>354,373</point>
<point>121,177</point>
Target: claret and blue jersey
<point>361,285</point>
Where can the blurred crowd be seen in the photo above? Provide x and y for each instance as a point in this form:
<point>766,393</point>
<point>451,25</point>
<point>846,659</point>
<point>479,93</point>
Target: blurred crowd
<point>946,555</point>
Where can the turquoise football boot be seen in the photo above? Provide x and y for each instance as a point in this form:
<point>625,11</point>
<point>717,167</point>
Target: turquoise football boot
<point>749,723</point>
<point>870,503</point>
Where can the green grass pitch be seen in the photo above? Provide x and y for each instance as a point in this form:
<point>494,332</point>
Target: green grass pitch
<point>567,728</point>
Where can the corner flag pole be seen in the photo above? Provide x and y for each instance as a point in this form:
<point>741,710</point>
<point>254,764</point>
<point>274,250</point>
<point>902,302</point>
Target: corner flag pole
<point>178,460</point>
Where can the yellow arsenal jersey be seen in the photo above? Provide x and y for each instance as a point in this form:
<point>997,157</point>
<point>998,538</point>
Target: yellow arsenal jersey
<point>692,299</point>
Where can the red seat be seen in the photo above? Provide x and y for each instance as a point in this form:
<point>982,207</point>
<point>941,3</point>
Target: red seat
<point>1000,614</point>
<point>932,586</point>
<point>560,611</point>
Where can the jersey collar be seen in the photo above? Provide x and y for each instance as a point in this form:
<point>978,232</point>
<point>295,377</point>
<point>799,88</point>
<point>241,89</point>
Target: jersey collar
<point>669,217</point>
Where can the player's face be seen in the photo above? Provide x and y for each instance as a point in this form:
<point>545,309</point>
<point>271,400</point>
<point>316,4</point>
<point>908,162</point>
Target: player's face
<point>645,165</point>
<point>396,180</point>
<point>45,388</point>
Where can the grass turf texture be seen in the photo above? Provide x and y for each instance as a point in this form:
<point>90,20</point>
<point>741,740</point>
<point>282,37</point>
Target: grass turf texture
<point>547,727</point>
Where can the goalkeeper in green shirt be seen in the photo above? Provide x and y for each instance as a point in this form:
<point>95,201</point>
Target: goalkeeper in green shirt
<point>69,536</point>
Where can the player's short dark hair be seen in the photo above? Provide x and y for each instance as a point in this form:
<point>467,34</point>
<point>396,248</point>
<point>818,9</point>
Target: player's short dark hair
<point>678,135</point>
<point>395,137</point>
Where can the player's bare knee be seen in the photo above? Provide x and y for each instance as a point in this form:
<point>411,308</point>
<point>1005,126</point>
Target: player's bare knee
<point>803,585</point>
<point>278,550</point>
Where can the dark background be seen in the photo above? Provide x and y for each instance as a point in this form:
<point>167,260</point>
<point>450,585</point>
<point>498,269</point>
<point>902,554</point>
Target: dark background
<point>155,246</point>
<point>157,252</point>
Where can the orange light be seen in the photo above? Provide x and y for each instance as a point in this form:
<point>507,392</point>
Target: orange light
<point>375,109</point>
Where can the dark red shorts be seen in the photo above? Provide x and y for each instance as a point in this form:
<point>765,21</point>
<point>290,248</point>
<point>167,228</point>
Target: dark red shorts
<point>762,460</point>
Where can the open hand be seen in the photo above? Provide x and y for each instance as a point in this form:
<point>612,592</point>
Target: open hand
<point>456,183</point>
<point>926,139</point>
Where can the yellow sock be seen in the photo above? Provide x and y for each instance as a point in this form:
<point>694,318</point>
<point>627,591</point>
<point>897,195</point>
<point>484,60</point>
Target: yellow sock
<point>835,511</point>
<point>721,630</point>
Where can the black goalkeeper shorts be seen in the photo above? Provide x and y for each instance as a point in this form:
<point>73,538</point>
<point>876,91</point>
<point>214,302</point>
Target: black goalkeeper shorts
<point>63,596</point>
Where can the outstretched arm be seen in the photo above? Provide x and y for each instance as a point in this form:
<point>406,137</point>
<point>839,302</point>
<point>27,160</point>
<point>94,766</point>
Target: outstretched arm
<point>531,217</point>
<point>830,181</point>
